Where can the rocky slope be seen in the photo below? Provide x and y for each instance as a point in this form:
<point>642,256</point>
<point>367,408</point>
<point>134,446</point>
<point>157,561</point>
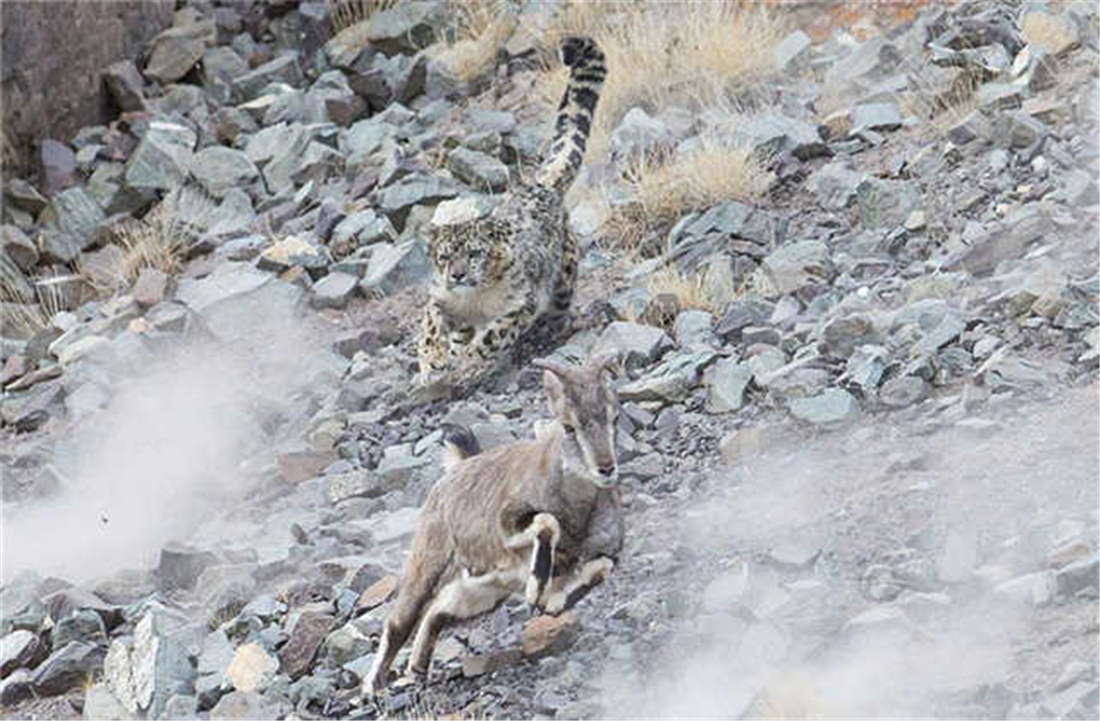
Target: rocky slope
<point>862,484</point>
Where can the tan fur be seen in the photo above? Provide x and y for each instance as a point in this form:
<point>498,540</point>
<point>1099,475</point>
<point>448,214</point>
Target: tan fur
<point>484,522</point>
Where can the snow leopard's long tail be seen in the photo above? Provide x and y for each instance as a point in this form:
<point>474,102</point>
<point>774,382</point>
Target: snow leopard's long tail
<point>588,69</point>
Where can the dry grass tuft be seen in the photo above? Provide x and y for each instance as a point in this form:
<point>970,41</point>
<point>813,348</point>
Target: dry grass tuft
<point>159,240</point>
<point>713,171</point>
<point>344,14</point>
<point>24,315</point>
<point>707,290</point>
<point>663,54</point>
<point>481,27</point>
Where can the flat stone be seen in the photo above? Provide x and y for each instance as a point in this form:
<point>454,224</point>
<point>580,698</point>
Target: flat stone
<point>19,649</point>
<point>125,85</point>
<point>180,566</point>
<point>727,385</point>
<point>886,203</point>
<point>334,290</point>
<point>638,344</point>
<point>176,50</point>
<point>406,28</point>
<point>795,265</point>
<point>100,703</point>
<point>1037,588</point>
<point>219,168</point>
<point>283,69</point>
<point>240,705</point>
<point>790,48</point>
<point>162,158</point>
<point>67,668</point>
<point>478,170</point>
<point>832,406</point>
<point>876,116</point>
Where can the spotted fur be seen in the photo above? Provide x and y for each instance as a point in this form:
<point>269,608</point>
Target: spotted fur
<point>495,278</point>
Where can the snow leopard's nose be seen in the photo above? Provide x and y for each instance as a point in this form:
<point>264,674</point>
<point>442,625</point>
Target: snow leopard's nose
<point>458,277</point>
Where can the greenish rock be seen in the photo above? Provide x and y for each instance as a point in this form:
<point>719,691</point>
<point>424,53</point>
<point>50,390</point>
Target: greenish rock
<point>283,69</point>
<point>406,28</point>
<point>795,265</point>
<point>162,159</point>
<point>726,389</point>
<point>176,50</point>
<point>831,407</point>
<point>886,203</point>
<point>70,222</point>
<point>219,169</point>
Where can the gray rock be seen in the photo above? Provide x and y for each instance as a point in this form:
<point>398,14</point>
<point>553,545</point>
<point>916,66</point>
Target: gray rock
<point>902,391</point>
<point>19,649</point>
<point>100,703</point>
<point>57,166</point>
<point>1078,701</point>
<point>638,345</point>
<point>1015,130</point>
<point>406,28</point>
<point>180,706</point>
<point>790,49</point>
<point>694,327</point>
<point>478,170</point>
<point>396,267</point>
<point>876,116</point>
<point>346,644</point>
<point>841,336</point>
<point>886,203</point>
<point>70,223</point>
<point>639,136</point>
<point>334,290</point>
<point>396,200</point>
<point>283,69</point>
<point>394,526</point>
<point>364,228</point>
<point>831,407</point>
<point>18,248</point>
<point>835,184</point>
<point>396,469</point>
<point>1037,588</point>
<point>16,687</point>
<point>1005,371</point>
<point>180,566</point>
<point>219,168</point>
<point>66,668</point>
<point>223,63</point>
<point>85,626</point>
<point>125,85</point>
<point>240,303</point>
<point>176,50</point>
<point>162,159</point>
<point>1080,578</point>
<point>795,265</point>
<point>669,381</point>
<point>727,385</point>
<point>240,705</point>
<point>773,133</point>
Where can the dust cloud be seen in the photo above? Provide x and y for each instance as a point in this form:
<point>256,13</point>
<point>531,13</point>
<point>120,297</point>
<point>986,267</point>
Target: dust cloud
<point>164,455</point>
<point>860,496</point>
